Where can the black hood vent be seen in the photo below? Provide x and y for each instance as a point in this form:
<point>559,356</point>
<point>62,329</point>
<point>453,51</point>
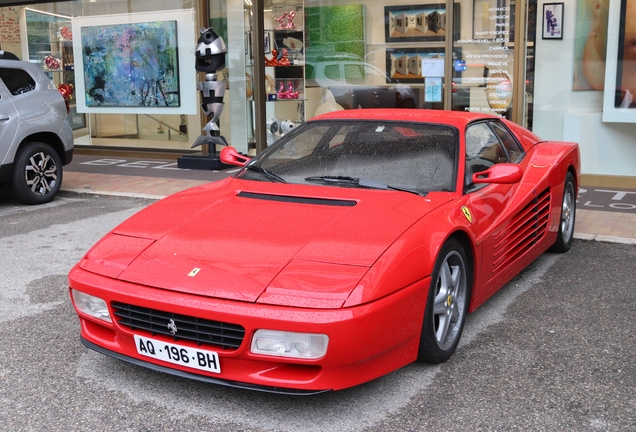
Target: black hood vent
<point>299,200</point>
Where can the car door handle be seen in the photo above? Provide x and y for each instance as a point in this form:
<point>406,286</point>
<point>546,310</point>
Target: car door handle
<point>4,116</point>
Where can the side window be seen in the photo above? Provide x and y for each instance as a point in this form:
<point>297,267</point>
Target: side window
<point>17,81</point>
<point>483,148</point>
<point>332,72</point>
<point>353,72</point>
<point>512,146</point>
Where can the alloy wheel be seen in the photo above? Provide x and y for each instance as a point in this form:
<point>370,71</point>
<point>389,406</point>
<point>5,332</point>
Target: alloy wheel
<point>41,173</point>
<point>449,301</point>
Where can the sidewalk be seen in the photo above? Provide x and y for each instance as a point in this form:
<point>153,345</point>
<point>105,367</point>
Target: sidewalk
<point>603,214</point>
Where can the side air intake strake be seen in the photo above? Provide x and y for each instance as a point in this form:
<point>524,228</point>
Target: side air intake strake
<point>527,227</point>
<point>299,200</point>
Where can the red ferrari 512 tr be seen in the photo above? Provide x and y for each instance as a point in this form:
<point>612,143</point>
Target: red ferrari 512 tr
<point>354,245</point>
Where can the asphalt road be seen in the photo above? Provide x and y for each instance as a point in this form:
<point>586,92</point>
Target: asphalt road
<point>553,350</point>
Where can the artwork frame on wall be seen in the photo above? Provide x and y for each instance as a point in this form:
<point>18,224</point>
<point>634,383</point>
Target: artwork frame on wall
<point>164,84</point>
<point>413,65</point>
<point>552,21</point>
<point>418,23</point>
<point>433,89</point>
<point>619,95</point>
<point>590,45</point>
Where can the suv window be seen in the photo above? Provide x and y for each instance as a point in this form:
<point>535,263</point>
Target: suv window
<point>332,72</point>
<point>18,81</point>
<point>353,72</point>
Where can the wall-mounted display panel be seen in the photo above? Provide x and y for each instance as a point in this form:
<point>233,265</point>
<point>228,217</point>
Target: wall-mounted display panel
<point>418,23</point>
<point>412,65</point>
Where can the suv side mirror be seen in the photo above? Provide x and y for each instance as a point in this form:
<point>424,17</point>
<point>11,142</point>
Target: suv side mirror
<point>503,173</point>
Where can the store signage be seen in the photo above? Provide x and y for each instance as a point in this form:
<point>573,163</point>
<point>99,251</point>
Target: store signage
<point>490,87</point>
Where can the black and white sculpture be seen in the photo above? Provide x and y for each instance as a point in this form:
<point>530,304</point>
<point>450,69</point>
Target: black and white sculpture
<point>210,58</point>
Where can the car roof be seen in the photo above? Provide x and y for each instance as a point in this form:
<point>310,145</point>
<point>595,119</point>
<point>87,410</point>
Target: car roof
<point>459,119</point>
<point>19,64</point>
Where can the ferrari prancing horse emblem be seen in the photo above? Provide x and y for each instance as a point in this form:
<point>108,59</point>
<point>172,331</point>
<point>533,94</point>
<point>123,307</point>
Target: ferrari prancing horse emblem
<point>466,212</point>
<point>172,326</point>
<point>194,272</point>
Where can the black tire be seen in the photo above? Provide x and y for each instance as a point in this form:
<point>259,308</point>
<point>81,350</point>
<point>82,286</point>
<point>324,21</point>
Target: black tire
<point>447,304</point>
<point>568,215</point>
<point>37,173</point>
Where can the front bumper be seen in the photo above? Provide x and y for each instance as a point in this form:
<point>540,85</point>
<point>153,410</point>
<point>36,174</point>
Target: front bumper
<point>365,342</point>
<point>199,377</point>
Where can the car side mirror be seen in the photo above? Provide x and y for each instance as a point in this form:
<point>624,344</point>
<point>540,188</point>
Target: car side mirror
<point>503,173</point>
<point>230,156</point>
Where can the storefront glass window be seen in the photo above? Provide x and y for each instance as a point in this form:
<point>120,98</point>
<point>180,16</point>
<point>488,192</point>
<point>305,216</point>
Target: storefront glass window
<point>484,65</point>
<point>584,65</point>
<point>119,89</point>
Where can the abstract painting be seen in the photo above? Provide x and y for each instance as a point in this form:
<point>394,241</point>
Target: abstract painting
<point>131,65</point>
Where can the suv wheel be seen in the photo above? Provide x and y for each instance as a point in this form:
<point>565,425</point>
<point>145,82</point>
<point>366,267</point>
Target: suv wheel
<point>37,173</point>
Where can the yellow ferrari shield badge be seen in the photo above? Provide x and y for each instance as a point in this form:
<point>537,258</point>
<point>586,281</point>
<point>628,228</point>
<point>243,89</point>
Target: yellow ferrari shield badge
<point>466,212</point>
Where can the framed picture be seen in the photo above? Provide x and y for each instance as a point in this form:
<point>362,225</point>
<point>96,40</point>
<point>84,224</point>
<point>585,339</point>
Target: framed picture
<point>418,23</point>
<point>619,95</point>
<point>590,22</point>
<point>267,48</point>
<point>433,89</point>
<point>413,65</point>
<point>552,21</point>
<point>135,64</point>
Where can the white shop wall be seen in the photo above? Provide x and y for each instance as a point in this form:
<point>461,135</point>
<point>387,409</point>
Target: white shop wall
<point>563,114</point>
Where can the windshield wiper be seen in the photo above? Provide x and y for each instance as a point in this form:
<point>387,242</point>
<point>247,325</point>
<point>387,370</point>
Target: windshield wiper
<point>268,173</point>
<point>334,179</point>
<point>361,182</point>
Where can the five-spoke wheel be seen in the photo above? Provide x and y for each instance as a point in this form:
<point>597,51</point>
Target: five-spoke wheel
<point>568,212</point>
<point>447,304</point>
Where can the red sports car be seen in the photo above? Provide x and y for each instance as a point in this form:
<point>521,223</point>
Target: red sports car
<point>354,245</point>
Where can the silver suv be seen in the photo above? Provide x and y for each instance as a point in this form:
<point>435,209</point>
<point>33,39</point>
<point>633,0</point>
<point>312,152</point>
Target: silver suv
<point>35,136</point>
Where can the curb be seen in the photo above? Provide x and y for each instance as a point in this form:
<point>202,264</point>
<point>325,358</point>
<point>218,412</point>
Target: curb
<point>605,238</point>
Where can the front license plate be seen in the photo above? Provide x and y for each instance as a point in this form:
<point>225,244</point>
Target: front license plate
<point>178,354</point>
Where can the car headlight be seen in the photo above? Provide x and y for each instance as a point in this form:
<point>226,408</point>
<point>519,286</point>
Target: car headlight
<point>288,344</point>
<point>91,305</point>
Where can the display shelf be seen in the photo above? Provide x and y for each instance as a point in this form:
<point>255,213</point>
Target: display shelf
<point>286,38</point>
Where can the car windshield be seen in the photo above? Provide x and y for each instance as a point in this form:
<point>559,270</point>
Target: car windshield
<point>417,157</point>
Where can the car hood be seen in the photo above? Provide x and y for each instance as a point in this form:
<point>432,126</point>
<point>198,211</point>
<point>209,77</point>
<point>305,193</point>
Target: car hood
<point>235,238</point>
